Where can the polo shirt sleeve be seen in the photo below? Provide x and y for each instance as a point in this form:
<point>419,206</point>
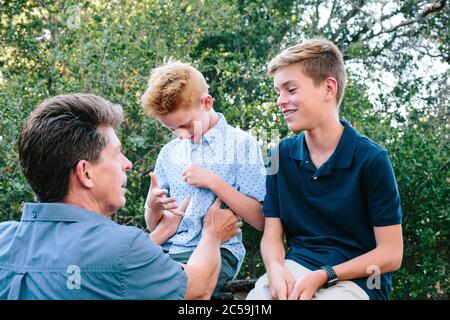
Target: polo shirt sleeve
<point>151,274</point>
<point>271,207</point>
<point>382,192</point>
<point>250,175</point>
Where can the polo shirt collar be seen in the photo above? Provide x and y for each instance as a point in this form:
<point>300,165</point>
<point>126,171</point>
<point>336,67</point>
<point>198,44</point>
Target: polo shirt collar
<point>341,157</point>
<point>60,212</point>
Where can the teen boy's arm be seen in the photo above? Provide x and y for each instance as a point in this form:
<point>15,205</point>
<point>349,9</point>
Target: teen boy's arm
<point>281,281</point>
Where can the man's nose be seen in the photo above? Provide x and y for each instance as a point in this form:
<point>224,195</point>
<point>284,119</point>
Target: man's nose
<point>128,165</point>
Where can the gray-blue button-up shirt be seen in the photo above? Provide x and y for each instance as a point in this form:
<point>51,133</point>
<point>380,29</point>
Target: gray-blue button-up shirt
<point>60,251</point>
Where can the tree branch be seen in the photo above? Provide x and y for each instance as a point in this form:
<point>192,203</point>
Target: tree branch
<point>429,8</point>
<point>327,26</point>
<point>353,12</point>
<point>315,22</point>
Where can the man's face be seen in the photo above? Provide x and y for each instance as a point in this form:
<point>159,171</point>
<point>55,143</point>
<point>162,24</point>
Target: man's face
<point>109,174</point>
<point>299,99</point>
<point>190,123</point>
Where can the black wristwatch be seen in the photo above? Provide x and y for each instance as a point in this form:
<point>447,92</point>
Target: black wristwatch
<point>332,277</point>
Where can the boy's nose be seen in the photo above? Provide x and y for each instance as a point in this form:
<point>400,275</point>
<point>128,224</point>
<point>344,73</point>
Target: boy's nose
<point>282,99</point>
<point>183,134</point>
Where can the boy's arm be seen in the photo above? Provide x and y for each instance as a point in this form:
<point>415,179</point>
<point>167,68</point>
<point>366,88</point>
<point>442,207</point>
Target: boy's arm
<point>168,224</point>
<point>281,281</point>
<point>386,257</point>
<point>249,209</point>
<point>156,203</point>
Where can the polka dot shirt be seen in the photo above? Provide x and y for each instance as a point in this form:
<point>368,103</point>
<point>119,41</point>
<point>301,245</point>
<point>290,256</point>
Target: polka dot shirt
<point>228,152</point>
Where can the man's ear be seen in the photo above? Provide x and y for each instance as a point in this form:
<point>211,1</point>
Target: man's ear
<point>330,88</point>
<point>83,173</point>
<point>208,102</point>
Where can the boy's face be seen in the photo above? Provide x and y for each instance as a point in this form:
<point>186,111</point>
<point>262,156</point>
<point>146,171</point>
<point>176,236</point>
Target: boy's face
<point>299,99</point>
<point>191,123</point>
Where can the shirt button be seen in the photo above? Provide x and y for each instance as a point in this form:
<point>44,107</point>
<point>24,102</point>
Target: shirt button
<point>34,214</point>
<point>315,177</point>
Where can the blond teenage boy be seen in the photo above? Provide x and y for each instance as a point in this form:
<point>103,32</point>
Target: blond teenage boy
<point>334,196</point>
<point>209,159</point>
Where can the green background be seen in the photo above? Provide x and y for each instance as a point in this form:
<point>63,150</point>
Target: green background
<point>397,56</point>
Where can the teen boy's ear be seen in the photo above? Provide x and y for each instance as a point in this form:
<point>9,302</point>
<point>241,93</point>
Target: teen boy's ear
<point>330,88</point>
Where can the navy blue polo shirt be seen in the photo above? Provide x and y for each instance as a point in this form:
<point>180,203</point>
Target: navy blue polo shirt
<point>328,214</point>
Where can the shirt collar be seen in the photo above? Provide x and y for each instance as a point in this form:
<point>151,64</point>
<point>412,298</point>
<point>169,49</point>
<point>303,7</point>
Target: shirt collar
<point>220,128</point>
<point>341,157</point>
<point>60,212</point>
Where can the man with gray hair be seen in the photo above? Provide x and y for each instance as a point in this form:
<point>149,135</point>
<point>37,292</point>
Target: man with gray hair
<point>66,246</point>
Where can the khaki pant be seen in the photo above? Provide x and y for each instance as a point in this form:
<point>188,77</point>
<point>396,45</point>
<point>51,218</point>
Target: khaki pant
<point>343,290</point>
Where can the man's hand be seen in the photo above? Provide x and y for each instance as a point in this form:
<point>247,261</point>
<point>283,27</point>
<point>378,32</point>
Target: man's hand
<point>281,282</point>
<point>168,224</point>
<point>197,176</point>
<point>306,287</point>
<point>157,201</point>
<point>221,224</point>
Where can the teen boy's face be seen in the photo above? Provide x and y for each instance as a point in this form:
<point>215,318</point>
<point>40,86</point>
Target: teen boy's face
<point>190,123</point>
<point>299,99</point>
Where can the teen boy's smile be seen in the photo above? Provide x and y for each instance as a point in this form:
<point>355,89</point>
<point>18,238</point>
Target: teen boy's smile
<point>288,112</point>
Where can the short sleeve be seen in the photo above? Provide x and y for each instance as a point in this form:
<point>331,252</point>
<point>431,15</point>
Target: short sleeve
<point>151,274</point>
<point>250,175</point>
<point>161,164</point>
<point>383,197</point>
<point>271,207</point>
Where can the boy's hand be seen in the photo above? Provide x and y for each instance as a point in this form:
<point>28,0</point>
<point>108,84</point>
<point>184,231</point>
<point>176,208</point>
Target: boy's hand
<point>306,287</point>
<point>157,201</point>
<point>197,176</point>
<point>281,282</point>
<point>168,224</point>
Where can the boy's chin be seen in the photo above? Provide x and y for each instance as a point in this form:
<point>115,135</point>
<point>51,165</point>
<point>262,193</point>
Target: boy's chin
<point>296,127</point>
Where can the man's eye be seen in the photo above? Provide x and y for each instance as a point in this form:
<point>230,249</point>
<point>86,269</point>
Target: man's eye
<point>292,90</point>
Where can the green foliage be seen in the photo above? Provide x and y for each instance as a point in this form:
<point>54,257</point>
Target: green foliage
<point>109,48</point>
